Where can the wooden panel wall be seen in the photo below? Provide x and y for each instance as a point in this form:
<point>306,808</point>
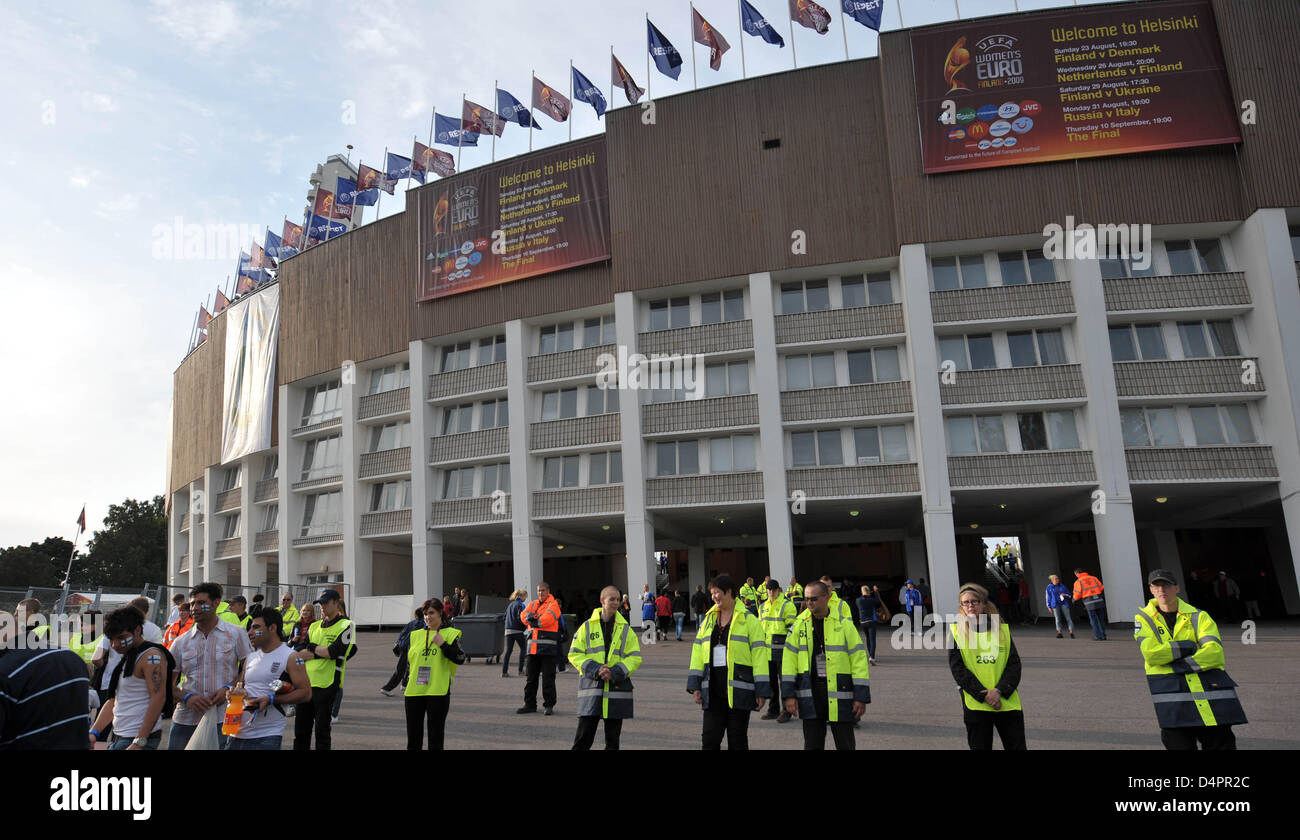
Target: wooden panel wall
<point>196,408</point>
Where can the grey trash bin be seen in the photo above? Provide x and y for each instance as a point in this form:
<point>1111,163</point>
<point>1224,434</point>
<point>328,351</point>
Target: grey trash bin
<point>482,636</point>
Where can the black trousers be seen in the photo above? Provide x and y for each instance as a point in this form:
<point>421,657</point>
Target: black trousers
<point>587,732</point>
<point>720,720</point>
<point>314,713</point>
<point>400,672</point>
<point>814,734</point>
<point>430,707</point>
<point>980,726</point>
<point>545,667</point>
<point>1210,738</point>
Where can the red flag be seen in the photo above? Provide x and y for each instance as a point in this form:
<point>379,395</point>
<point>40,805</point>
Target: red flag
<point>292,235</point>
<point>624,80</point>
<point>221,303</point>
<point>426,159</point>
<point>549,101</point>
<point>244,284</point>
<point>808,14</point>
<point>204,317</point>
<point>259,257</point>
<point>324,206</point>
<point>81,520</point>
<point>704,33</point>
<point>369,178</point>
<point>481,119</point>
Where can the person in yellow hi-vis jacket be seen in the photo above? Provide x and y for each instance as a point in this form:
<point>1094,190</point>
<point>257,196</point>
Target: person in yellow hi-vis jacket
<point>1195,699</point>
<point>986,666</point>
<point>824,676</point>
<point>777,615</point>
<point>728,675</point>
<point>605,652</point>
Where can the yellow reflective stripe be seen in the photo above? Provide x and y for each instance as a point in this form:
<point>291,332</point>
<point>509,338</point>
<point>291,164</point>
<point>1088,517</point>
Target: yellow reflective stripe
<point>1150,623</point>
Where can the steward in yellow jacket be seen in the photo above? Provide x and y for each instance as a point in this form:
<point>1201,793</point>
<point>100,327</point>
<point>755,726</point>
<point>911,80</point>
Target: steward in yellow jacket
<point>824,676</point>
<point>729,672</point>
<point>605,652</point>
<point>777,615</point>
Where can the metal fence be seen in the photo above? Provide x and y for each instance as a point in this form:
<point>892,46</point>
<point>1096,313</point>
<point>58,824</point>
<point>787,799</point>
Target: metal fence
<point>161,594</point>
<point>80,598</point>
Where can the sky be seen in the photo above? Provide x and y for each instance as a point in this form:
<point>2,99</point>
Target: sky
<point>216,113</point>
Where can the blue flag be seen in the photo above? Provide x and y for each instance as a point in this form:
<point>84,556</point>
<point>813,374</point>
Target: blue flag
<point>321,227</point>
<point>347,193</point>
<point>449,130</point>
<point>585,91</point>
<point>274,246</point>
<point>757,25</point>
<point>865,12</point>
<point>665,55</point>
<point>512,110</point>
<point>398,167</point>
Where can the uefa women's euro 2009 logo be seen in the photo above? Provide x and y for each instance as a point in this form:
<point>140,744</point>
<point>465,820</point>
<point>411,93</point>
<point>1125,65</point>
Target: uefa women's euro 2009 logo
<point>997,63</point>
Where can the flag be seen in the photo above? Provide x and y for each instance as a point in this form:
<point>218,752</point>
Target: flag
<point>243,284</point>
<point>865,12</point>
<point>550,102</point>
<point>349,195</point>
<point>425,159</point>
<point>665,55</point>
<point>292,239</point>
<point>204,318</point>
<point>512,110</point>
<point>398,167</point>
<point>221,302</point>
<point>625,81</point>
<point>274,245</point>
<point>370,180</point>
<point>704,33</point>
<point>81,521</point>
<point>808,14</point>
<point>329,208</point>
<point>585,91</point>
<point>481,119</point>
<point>258,259</point>
<point>245,268</point>
<point>755,24</point>
<point>448,131</point>
<point>321,227</point>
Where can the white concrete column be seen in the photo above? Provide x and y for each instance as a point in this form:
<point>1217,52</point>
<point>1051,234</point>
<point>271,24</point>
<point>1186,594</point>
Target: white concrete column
<point>427,566</point>
<point>525,535</point>
<point>290,521</point>
<point>637,523</point>
<point>248,560</point>
<point>1041,562</point>
<point>357,554</point>
<point>426,543</point>
<point>931,442</point>
<point>697,572</point>
<point>196,539</point>
<point>771,431</point>
<point>212,570</point>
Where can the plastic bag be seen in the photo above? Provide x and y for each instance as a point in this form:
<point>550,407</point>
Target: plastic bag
<point>207,734</point>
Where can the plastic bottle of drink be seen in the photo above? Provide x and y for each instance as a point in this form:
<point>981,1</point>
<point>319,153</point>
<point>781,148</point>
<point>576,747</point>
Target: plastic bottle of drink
<point>234,720</point>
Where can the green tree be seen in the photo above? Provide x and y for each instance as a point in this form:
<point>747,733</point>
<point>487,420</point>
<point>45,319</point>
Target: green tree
<point>38,564</point>
<point>131,548</point>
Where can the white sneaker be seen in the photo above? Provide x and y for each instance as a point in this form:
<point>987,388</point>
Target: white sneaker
<point>333,721</point>
<point>386,692</point>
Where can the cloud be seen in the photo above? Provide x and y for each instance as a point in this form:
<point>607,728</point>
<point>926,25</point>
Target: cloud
<point>115,210</point>
<point>78,181</point>
<point>205,25</point>
<point>99,102</point>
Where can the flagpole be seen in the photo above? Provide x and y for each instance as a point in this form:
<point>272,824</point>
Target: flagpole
<point>531,98</point>
<point>460,138</point>
<point>495,82</point>
<point>190,348</point>
<point>695,82</point>
<point>844,28</point>
<point>611,77</point>
<point>67,574</point>
<point>957,6</point>
<point>647,73</point>
<point>433,116</point>
<point>793,52</point>
<point>380,198</point>
<point>569,120</point>
<point>899,4</point>
<point>740,18</point>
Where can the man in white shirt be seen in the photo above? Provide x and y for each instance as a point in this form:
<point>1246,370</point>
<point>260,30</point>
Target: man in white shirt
<point>138,691</point>
<point>175,614</point>
<point>209,656</point>
<point>152,632</point>
<point>271,659</point>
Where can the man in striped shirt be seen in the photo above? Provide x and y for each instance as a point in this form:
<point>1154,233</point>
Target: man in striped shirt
<point>209,656</point>
<point>44,697</point>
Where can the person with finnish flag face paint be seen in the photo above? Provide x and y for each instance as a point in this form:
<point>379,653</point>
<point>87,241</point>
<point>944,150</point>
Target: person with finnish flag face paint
<point>273,678</point>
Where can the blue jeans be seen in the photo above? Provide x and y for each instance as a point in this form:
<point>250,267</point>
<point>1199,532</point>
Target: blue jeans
<point>120,743</point>
<point>679,618</point>
<point>869,636</point>
<point>513,639</point>
<point>180,736</point>
<point>1098,619</point>
<point>270,742</point>
<point>1062,614</point>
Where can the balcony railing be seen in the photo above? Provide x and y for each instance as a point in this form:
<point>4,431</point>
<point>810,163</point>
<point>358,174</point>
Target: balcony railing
<point>318,429</point>
<point>1188,376</point>
<point>847,401</point>
<point>704,489</point>
<point>317,539</point>
<point>854,481</point>
<point>229,500</point>
<point>1013,385</point>
<point>266,542</point>
<point>266,490</point>
<point>385,523</point>
<point>574,431</point>
<point>581,501</point>
<point>832,324</point>
<point>228,548</point>
<point>1178,291</point>
<point>994,303</point>
<point>185,522</point>
<point>1201,463</point>
<point>315,483</point>
<point>709,413</point>
<point>568,363</point>
<point>474,380</point>
<point>447,513</point>
<point>385,462</point>
<point>1022,469</point>
<point>466,445</point>
<point>396,401</point>
<point>707,338</point>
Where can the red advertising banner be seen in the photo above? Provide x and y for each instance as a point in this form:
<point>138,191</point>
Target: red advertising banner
<point>520,218</point>
<point>1076,83</point>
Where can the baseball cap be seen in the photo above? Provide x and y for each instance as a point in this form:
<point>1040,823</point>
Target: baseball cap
<point>1161,576</point>
<point>329,595</point>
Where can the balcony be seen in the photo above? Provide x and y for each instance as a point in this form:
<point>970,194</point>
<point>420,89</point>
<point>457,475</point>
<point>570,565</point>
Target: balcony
<point>995,303</point>
<point>446,513</point>
<point>720,488</point>
<point>711,413</point>
<point>708,338</point>
<point>266,542</point>
<point>1201,463</point>
<point>582,501</point>
<point>1180,291</point>
<point>228,500</point>
<point>568,363</point>
<point>384,404</point>
<point>225,549</point>
<point>1186,376</point>
<point>832,324</point>
<point>475,380</point>
<point>575,431</point>
<point>386,523</point>
<point>327,482</point>
<point>185,522</point>
<point>484,443</point>
<point>1014,385</point>
<point>266,490</point>
<point>854,481</point>
<point>1022,469</point>
<point>315,430</point>
<point>317,540</point>
<point>385,462</point>
<point>847,401</point>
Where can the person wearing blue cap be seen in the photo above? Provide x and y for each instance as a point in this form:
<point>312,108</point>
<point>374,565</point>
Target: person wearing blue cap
<point>914,603</point>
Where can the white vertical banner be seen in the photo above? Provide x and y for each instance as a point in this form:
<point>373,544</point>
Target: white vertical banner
<point>252,326</point>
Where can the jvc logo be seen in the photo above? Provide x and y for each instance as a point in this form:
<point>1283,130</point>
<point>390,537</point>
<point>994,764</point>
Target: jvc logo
<point>123,793</point>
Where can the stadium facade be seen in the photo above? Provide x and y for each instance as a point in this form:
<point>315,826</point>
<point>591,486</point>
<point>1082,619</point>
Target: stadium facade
<point>914,378</point>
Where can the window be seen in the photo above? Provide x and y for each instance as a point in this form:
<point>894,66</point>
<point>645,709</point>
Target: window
<point>816,370</point>
<point>1195,256</point>
<point>560,471</point>
<point>723,380</point>
<point>321,458</point>
<point>493,413</point>
<point>391,495</point>
<point>1149,427</point>
<point>492,349</point>
<point>1116,269</point>
<point>979,347</point>
<point>455,357</point>
<point>1295,242</point>
<point>1021,267</point>
<point>811,449</point>
<point>964,272</point>
<point>679,457</point>
<point>390,378</point>
<point>1047,430</point>
<point>731,454</point>
<point>229,479</point>
<point>271,519</point>
<point>230,527</point>
<point>322,514</point>
<point>322,403</point>
<point>559,404</point>
<point>390,436</point>
<point>662,382</point>
<point>1222,424</point>
<point>1036,347</point>
<point>970,435</point>
<point>805,296</point>
<point>556,338</point>
<point>605,468</point>
<point>875,290</point>
<point>271,468</point>
<point>458,484</point>
<point>458,419</point>
<point>1203,339</point>
<point>495,477</point>
<point>717,307</point>
<point>872,444</point>
<point>598,331</point>
<point>670,314</point>
<point>1131,342</point>
<point>878,365</point>
<point>601,400</point>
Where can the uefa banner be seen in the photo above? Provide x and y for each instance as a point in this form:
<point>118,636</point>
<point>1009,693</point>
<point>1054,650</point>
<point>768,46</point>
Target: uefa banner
<point>542,213</point>
<point>1078,83</point>
<point>252,326</point>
